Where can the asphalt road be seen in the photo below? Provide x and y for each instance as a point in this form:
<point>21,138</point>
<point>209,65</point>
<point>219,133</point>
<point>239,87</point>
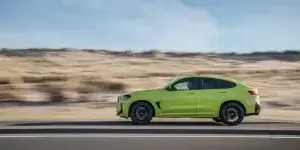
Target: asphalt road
<point>153,124</point>
<point>112,135</point>
<point>146,142</point>
<point>156,127</point>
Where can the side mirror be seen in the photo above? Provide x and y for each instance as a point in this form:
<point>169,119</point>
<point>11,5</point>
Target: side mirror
<point>170,88</point>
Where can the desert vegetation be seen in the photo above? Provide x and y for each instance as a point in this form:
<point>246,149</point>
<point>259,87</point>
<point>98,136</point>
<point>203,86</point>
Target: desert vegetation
<point>69,75</point>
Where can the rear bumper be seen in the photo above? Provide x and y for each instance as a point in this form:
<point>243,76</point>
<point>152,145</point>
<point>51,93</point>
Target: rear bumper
<point>257,110</point>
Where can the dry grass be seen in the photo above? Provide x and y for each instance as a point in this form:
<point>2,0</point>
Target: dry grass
<point>58,72</point>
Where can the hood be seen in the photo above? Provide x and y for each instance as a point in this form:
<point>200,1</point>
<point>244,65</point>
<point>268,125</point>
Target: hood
<point>144,90</point>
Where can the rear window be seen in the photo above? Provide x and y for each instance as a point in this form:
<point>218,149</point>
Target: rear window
<point>226,84</point>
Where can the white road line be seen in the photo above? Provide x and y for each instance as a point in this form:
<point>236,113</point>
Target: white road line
<point>142,136</point>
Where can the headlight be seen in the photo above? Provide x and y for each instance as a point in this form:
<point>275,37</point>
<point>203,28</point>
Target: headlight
<point>123,97</point>
<point>126,96</point>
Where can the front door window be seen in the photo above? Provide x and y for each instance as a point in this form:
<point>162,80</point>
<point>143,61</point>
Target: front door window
<point>186,84</point>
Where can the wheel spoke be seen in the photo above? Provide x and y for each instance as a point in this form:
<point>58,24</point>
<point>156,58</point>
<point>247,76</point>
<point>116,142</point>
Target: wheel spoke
<point>232,114</point>
<point>141,113</point>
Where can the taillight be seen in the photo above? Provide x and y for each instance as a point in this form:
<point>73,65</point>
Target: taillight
<point>252,92</point>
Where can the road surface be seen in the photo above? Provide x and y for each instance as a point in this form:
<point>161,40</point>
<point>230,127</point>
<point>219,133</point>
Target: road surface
<point>122,135</point>
<point>146,142</point>
<point>156,127</point>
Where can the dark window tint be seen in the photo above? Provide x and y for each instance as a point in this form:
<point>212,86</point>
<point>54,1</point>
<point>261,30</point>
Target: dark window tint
<point>209,83</point>
<point>226,84</point>
<point>187,84</point>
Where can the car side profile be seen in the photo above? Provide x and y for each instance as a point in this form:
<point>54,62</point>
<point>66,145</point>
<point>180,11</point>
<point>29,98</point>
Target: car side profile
<point>223,99</point>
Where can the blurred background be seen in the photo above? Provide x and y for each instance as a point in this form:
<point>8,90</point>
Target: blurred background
<point>60,81</point>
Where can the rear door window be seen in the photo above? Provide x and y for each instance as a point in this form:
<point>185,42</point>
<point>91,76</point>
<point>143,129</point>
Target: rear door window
<point>209,83</point>
<point>226,84</point>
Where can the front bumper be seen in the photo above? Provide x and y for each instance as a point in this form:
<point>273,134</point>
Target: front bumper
<point>119,109</point>
<point>122,109</point>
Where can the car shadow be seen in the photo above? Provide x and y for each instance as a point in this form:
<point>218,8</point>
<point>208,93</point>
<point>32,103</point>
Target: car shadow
<point>114,123</point>
<point>128,123</point>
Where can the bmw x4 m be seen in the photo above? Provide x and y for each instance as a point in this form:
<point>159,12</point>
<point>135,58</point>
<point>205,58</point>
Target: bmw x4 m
<point>223,99</point>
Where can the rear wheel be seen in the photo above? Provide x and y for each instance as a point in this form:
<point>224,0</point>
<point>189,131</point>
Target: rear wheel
<point>232,114</point>
<point>141,113</point>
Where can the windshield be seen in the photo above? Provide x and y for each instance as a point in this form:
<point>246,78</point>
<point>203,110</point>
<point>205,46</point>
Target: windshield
<point>169,80</point>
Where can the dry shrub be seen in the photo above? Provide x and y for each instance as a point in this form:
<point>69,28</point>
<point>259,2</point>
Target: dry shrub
<point>159,74</point>
<point>274,71</point>
<point>86,89</point>
<point>43,79</point>
<point>106,85</point>
<point>55,92</point>
<point>12,92</point>
<point>84,98</point>
<point>84,92</point>
<point>4,81</point>
<point>182,54</point>
<point>6,95</point>
<point>207,72</point>
<point>113,86</point>
<point>45,62</point>
<point>293,76</point>
<point>9,87</point>
<point>151,53</point>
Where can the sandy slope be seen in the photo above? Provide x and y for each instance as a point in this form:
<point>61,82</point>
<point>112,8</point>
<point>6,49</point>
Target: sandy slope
<point>78,75</point>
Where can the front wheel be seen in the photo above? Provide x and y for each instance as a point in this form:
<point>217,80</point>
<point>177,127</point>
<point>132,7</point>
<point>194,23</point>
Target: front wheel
<point>232,114</point>
<point>141,113</point>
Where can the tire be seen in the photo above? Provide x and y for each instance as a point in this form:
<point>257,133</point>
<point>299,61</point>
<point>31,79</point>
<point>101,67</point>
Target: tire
<point>141,113</point>
<point>217,119</point>
<point>232,114</point>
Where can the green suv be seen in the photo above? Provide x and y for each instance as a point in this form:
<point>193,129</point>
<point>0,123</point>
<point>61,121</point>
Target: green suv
<point>222,99</point>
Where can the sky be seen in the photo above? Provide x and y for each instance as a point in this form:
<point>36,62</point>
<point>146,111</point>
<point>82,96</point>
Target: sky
<point>138,25</point>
